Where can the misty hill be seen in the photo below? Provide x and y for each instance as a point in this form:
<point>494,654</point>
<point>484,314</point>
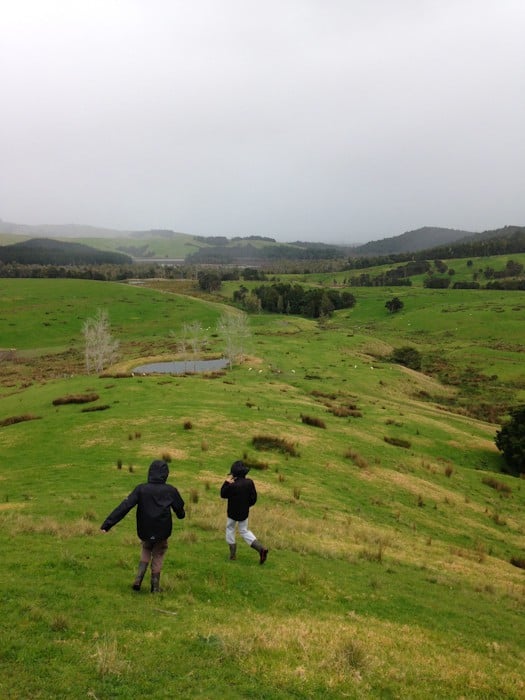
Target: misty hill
<point>157,245</point>
<point>58,230</point>
<point>506,240</point>
<point>412,241</point>
<point>46,251</point>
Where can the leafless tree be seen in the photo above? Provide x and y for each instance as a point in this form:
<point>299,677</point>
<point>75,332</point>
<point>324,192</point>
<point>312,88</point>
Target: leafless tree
<point>235,331</point>
<point>100,348</point>
<point>194,339</point>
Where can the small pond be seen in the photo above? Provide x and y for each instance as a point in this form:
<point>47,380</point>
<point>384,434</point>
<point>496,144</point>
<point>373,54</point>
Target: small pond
<point>182,367</point>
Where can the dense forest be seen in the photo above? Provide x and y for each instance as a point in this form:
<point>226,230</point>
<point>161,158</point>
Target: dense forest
<point>46,251</point>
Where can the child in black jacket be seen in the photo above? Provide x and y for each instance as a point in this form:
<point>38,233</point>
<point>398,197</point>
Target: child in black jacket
<point>155,501</point>
<point>241,495</point>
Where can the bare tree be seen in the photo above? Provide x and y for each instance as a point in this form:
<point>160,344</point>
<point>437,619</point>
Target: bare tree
<point>100,348</point>
<point>194,339</point>
<point>235,331</point>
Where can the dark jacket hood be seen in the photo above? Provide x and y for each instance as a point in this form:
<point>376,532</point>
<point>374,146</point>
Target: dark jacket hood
<point>158,472</point>
<point>239,469</point>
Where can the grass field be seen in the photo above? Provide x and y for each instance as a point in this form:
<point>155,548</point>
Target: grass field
<point>391,531</point>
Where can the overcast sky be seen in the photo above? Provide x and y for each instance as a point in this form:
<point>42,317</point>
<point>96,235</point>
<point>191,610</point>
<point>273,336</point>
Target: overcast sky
<point>322,120</point>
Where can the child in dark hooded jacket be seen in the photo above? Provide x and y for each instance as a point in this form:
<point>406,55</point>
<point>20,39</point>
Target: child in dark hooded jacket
<point>154,500</point>
<point>241,494</point>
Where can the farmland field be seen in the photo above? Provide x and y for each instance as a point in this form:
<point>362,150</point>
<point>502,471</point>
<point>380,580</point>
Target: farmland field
<point>391,529</point>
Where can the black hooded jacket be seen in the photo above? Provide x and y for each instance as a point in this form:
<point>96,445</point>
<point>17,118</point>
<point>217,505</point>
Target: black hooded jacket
<point>154,502</point>
<point>241,493</point>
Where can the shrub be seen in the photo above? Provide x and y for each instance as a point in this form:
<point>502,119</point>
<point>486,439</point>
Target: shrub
<point>269,442</point>
<point>342,411</point>
<point>18,419</point>
<point>394,305</point>
<point>75,398</point>
<point>398,442</point>
<point>407,356</point>
<point>316,422</point>
<point>510,440</point>
<point>323,394</point>
<point>497,485</point>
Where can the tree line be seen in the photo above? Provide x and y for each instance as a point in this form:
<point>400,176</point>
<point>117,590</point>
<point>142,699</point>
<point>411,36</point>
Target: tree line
<point>285,298</point>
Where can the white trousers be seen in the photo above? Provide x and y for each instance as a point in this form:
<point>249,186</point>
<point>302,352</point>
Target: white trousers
<point>246,534</point>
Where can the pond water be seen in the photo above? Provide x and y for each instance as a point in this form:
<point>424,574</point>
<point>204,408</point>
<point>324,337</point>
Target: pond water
<point>182,367</point>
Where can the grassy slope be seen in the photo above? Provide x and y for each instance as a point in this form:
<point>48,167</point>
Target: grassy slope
<point>388,579</point>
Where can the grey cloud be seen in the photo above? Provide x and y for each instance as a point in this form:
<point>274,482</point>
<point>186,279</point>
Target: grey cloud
<point>341,121</point>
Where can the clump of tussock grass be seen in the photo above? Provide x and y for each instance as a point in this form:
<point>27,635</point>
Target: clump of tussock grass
<point>297,492</point>
<point>12,420</point>
<point>194,496</point>
<point>108,659</point>
<point>187,425</point>
<point>471,555</point>
<point>270,442</point>
<point>519,562</point>
<point>398,442</point>
<point>59,623</point>
<point>349,655</point>
<point>344,412</point>
<point>204,446</point>
<point>119,464</point>
<point>497,485</point>
<point>391,421</point>
<point>89,409</point>
<point>323,395</point>
<point>75,398</point>
<point>188,537</point>
<point>373,554</point>
<point>356,458</point>
<point>312,420</point>
<point>252,463</point>
<point>166,457</point>
<point>498,519</point>
<point>449,470</point>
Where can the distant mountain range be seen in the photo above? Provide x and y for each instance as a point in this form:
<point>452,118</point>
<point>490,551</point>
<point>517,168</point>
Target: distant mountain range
<point>164,245</point>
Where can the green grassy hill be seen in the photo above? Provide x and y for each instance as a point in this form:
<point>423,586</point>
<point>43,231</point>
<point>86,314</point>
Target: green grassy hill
<point>391,529</point>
